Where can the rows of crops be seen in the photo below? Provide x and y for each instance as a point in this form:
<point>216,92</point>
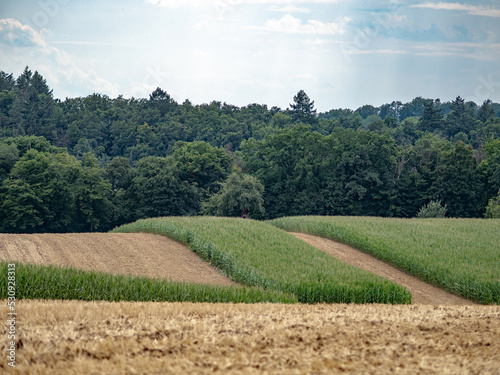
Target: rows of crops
<point>257,254</point>
<point>52,282</point>
<point>458,255</point>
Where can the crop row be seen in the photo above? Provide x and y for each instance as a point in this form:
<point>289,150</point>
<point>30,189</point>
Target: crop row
<point>458,255</point>
<point>257,254</point>
<point>52,282</point>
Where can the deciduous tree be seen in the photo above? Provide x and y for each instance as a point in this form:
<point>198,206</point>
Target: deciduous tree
<point>241,195</point>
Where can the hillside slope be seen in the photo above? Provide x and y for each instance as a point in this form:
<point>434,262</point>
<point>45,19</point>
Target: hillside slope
<point>137,254</point>
<point>422,293</point>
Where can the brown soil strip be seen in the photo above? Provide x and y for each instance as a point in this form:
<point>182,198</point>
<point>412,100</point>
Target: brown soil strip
<point>423,293</point>
<point>72,337</point>
<point>137,254</point>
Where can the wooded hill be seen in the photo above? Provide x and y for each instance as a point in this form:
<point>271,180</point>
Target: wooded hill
<point>95,162</point>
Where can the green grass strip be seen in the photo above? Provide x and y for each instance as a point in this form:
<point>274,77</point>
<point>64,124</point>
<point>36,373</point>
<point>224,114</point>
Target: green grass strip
<point>461,256</point>
<point>66,283</point>
<point>257,254</point>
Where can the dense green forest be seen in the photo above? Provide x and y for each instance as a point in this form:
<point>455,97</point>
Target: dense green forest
<point>92,163</point>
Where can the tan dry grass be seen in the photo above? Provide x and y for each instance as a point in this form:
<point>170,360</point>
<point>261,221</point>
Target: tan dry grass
<point>71,337</point>
<point>137,254</point>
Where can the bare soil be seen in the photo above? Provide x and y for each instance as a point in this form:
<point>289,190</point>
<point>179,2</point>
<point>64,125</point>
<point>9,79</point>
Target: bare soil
<point>73,337</point>
<point>150,255</point>
<point>137,254</point>
<point>422,293</point>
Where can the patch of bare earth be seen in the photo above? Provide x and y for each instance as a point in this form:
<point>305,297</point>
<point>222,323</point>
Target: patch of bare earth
<point>422,293</point>
<point>137,254</point>
<point>72,337</point>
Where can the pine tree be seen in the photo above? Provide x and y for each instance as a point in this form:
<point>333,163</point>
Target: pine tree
<point>431,119</point>
<point>302,109</point>
<point>460,119</point>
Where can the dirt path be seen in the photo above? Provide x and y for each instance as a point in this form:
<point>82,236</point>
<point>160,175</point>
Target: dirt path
<point>138,254</point>
<point>423,293</point>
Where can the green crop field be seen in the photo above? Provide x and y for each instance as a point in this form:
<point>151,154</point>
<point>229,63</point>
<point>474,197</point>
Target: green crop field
<point>258,254</point>
<point>52,282</point>
<point>459,255</point>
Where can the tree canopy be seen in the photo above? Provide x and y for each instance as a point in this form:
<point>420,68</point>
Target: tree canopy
<point>91,163</point>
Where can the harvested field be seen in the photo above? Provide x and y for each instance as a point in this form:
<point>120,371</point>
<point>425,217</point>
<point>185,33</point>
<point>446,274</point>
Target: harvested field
<point>71,337</point>
<point>137,254</point>
<point>422,293</point>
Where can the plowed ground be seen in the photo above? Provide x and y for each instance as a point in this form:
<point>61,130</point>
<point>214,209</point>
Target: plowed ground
<point>137,254</point>
<point>149,255</point>
<point>71,337</point>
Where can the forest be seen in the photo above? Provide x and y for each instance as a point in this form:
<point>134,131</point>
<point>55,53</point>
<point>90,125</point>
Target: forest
<point>93,163</point>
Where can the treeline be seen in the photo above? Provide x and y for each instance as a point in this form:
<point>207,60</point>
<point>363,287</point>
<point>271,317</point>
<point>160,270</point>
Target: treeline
<point>135,128</point>
<point>93,163</point>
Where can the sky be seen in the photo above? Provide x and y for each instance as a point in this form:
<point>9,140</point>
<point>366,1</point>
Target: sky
<point>342,53</point>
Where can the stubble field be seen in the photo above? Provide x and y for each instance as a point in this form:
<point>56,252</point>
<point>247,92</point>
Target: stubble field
<point>74,337</point>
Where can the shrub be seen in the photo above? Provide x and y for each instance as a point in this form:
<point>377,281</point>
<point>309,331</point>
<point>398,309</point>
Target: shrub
<point>493,208</point>
<point>433,209</point>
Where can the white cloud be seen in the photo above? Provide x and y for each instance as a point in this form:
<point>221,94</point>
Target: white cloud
<point>64,70</point>
<point>231,3</point>
<point>257,83</point>
<point>290,9</point>
<point>470,9</point>
<point>491,36</point>
<point>476,51</point>
<point>14,33</point>
<point>304,78</point>
<point>291,25</point>
<point>377,51</point>
<point>318,42</point>
<point>25,46</point>
<point>399,19</point>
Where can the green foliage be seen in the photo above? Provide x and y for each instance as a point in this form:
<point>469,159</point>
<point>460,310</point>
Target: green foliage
<point>458,183</point>
<point>372,119</point>
<point>384,161</point>
<point>302,109</point>
<point>52,282</point>
<point>93,194</point>
<point>490,168</point>
<point>157,190</point>
<point>241,195</point>
<point>432,119</point>
<point>257,254</point>
<point>26,143</point>
<point>53,192</point>
<point>367,110</point>
<point>201,164</point>
<point>39,193</point>
<point>459,255</point>
<point>460,119</point>
<point>493,208</point>
<point>486,111</point>
<point>9,155</point>
<point>422,176</point>
<point>304,172</point>
<point>119,173</point>
<point>433,209</point>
